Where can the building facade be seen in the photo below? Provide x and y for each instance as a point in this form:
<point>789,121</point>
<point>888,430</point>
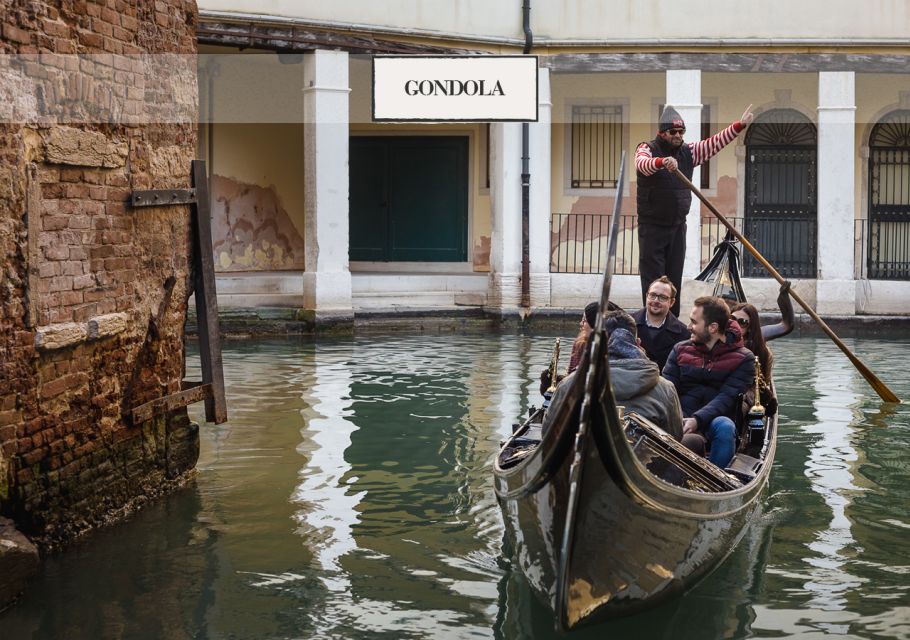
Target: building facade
<point>317,207</point>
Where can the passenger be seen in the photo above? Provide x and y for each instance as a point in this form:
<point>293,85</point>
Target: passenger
<point>709,372</point>
<point>585,327</point>
<point>770,331</point>
<point>636,381</point>
<point>658,328</point>
<point>746,315</point>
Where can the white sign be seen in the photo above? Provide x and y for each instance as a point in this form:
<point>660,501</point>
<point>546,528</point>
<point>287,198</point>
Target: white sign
<point>460,89</point>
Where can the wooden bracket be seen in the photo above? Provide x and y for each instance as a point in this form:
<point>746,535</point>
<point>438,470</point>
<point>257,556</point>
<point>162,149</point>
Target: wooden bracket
<point>211,389</point>
<point>206,299</point>
<point>192,392</point>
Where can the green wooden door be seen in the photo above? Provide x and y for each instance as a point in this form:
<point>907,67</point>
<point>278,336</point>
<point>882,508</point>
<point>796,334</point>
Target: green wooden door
<point>409,198</point>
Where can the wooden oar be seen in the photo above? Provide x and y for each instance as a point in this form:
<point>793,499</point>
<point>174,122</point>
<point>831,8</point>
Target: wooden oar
<point>880,387</point>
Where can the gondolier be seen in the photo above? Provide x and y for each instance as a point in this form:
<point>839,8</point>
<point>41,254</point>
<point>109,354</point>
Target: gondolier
<point>663,202</point>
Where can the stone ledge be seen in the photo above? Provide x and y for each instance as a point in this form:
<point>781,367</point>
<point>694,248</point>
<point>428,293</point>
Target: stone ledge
<point>77,147</point>
<point>66,334</point>
<point>107,325</point>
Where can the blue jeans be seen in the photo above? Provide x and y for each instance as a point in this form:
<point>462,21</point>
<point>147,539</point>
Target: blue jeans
<point>722,438</point>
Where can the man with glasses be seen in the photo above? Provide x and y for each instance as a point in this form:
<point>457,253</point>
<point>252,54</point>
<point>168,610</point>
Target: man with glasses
<point>663,201</point>
<point>658,328</point>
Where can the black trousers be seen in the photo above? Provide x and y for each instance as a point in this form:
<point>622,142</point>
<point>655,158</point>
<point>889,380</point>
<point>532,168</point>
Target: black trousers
<point>661,252</point>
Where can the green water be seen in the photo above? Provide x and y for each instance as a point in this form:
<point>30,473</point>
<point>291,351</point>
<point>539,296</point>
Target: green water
<point>350,496</point>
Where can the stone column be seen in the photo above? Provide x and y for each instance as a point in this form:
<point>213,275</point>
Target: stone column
<point>540,163</point>
<point>684,94</point>
<point>835,287</point>
<point>504,292</point>
<point>327,280</point>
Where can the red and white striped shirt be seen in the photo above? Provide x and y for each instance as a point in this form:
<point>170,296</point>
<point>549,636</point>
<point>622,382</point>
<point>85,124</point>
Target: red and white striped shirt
<point>702,150</point>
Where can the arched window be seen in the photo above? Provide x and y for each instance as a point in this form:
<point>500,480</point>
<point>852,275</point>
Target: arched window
<point>781,193</point>
<point>889,198</point>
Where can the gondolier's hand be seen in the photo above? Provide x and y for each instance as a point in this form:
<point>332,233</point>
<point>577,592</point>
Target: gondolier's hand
<point>747,117</point>
<point>690,425</point>
<point>785,286</point>
<point>669,164</point>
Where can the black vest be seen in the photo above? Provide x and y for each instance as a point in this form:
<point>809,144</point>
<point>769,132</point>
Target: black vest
<point>662,198</point>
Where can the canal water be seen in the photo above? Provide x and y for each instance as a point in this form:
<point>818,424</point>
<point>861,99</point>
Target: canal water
<point>350,496</point>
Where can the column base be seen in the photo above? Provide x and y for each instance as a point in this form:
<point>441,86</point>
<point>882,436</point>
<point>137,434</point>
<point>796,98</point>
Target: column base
<point>504,292</point>
<point>328,294</point>
<point>835,297</point>
<point>540,290</point>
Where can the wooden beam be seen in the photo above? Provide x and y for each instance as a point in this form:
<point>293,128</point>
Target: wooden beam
<point>156,407</point>
<point>206,300</point>
<point>725,62</point>
<point>288,39</point>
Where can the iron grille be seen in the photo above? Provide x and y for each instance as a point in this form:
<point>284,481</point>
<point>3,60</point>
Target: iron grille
<point>596,146</point>
<point>781,194</point>
<point>888,256</point>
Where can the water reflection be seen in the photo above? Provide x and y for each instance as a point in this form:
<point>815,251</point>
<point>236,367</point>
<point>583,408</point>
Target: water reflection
<point>350,496</point>
<point>830,472</point>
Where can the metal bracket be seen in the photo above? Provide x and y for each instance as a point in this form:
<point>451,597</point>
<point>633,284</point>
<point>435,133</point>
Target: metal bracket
<point>162,197</point>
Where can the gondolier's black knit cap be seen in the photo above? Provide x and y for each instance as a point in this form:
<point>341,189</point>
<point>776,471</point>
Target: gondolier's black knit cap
<point>670,119</point>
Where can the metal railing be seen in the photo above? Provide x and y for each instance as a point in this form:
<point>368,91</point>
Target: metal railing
<point>579,242</point>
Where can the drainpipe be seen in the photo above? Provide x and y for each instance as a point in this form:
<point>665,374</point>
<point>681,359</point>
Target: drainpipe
<point>525,177</point>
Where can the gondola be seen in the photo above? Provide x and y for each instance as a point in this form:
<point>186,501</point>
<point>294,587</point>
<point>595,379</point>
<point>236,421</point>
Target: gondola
<point>606,513</point>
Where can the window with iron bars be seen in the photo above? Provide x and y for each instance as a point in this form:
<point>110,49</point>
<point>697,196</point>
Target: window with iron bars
<point>596,146</point>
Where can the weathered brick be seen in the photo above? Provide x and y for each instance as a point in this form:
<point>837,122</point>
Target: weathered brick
<point>83,281</point>
<point>56,252</point>
<point>11,32</point>
<point>54,223</point>
<point>69,174</point>
<point>48,269</point>
<point>90,39</point>
<point>80,222</point>
<point>102,27</point>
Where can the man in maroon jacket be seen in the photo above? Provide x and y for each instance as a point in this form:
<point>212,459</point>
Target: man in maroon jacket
<point>709,372</point>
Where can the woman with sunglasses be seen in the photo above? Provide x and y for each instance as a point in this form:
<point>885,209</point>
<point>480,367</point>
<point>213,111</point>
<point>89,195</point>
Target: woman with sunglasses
<point>756,336</point>
<point>756,341</point>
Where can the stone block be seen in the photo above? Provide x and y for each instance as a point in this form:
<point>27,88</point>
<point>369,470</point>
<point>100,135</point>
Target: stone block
<point>58,336</point>
<point>66,145</point>
<point>107,325</point>
<point>18,562</point>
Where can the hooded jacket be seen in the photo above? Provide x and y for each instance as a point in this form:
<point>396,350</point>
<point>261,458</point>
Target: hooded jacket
<point>709,381</point>
<point>638,387</point>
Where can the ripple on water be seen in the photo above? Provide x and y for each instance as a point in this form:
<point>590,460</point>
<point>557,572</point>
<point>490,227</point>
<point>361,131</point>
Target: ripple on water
<point>350,496</point>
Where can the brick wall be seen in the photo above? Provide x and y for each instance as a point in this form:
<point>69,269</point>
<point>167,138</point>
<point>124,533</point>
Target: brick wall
<point>93,293</point>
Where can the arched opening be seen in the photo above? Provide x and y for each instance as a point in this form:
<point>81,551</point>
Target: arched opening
<point>781,193</point>
<point>888,256</point>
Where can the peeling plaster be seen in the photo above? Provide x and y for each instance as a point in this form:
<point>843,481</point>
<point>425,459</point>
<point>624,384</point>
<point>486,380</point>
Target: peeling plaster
<point>251,231</point>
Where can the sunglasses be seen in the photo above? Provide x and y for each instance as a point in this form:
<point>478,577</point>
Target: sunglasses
<point>674,132</point>
<point>743,322</point>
